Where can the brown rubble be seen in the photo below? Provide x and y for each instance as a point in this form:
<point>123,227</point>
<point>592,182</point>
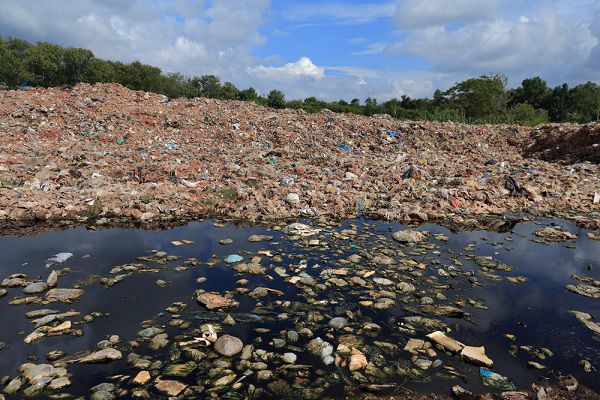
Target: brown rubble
<point>103,151</point>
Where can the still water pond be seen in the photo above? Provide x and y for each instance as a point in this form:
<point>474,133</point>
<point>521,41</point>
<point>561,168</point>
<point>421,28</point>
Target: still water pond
<point>286,292</point>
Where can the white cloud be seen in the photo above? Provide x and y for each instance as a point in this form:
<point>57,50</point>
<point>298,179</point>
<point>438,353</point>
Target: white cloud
<point>415,14</point>
<point>340,12</point>
<point>304,67</point>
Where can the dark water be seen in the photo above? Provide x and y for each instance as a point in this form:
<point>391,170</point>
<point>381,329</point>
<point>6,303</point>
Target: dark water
<point>534,311</point>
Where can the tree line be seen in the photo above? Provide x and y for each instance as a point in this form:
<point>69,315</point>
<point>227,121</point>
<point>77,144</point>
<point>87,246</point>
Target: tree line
<point>485,99</point>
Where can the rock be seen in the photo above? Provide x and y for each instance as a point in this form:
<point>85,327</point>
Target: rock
<point>3,292</point>
<point>2,345</point>
<point>150,332</point>
<point>169,388</point>
<point>63,295</point>
<point>140,394</point>
<point>142,378</point>
<point>13,386</point>
<point>413,345</point>
<point>264,375</point>
<point>289,358</point>
<point>512,395</point>
<point>405,288</point>
<point>228,345</point>
<point>410,236</point>
<point>59,383</point>
<point>225,241</point>
<point>213,301</point>
<point>259,238</point>
<point>36,287</point>
<point>354,258</point>
<point>462,394</point>
<point>585,290</point>
<point>423,363</point>
<point>586,365</point>
<point>535,365</point>
<point>102,395</point>
<point>446,342</point>
<point>224,380</point>
<point>159,341</point>
<point>476,355</point>
<point>61,327</point>
<point>383,281</point>
<point>293,198</point>
<point>229,320</point>
<point>179,370</point>
<point>104,355</point>
<point>357,362</point>
<point>52,279</point>
<point>555,234</point>
<point>338,323</point>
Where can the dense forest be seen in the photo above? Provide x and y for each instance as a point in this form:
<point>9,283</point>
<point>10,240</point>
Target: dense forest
<point>485,99</point>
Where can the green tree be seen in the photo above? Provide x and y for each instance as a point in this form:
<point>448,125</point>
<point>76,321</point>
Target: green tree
<point>276,99</point>
<point>249,94</point>
<point>230,92</point>
<point>44,61</point>
<point>482,98</point>
<point>526,114</point>
<point>584,102</point>
<point>558,108</point>
<point>533,91</point>
<point>75,64</point>
<point>13,69</point>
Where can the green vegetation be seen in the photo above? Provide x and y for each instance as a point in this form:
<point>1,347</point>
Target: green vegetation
<point>485,99</point>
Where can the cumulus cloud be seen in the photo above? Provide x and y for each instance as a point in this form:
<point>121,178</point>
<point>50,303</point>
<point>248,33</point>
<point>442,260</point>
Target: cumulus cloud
<point>304,67</point>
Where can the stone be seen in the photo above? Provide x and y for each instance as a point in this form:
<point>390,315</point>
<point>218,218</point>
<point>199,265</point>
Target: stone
<point>61,327</point>
<point>179,370</point>
<point>410,236</point>
<point>476,355</point>
<point>35,287</point>
<point>13,386</point>
<point>63,295</point>
<point>224,380</point>
<point>423,363</point>
<point>413,345</point>
<point>264,375</point>
<point>338,323</point>
<point>225,241</point>
<point>150,332</point>
<point>293,198</point>
<point>59,383</point>
<point>259,238</point>
<point>229,320</point>
<point>159,341</point>
<point>3,292</point>
<point>104,355</point>
<point>228,345</point>
<point>446,342</point>
<point>52,279</point>
<point>586,365</point>
<point>169,387</point>
<point>213,301</point>
<point>357,362</point>
<point>289,358</point>
<point>142,378</point>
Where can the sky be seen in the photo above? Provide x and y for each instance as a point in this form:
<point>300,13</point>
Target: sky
<point>329,49</point>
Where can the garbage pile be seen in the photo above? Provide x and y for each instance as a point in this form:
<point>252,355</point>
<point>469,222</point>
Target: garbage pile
<point>103,151</point>
<point>568,143</point>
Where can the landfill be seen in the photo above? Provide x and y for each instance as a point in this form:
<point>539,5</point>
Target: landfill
<point>100,152</point>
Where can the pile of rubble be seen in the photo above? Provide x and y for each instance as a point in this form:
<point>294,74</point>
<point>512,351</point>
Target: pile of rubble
<point>102,151</point>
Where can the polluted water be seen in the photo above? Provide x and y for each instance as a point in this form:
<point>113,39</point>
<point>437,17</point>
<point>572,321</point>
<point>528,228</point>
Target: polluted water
<point>340,310</point>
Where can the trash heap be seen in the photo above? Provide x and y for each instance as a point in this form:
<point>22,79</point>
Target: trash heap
<point>104,151</point>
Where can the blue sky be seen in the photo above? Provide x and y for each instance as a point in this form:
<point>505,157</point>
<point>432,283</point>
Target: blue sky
<point>329,49</point>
